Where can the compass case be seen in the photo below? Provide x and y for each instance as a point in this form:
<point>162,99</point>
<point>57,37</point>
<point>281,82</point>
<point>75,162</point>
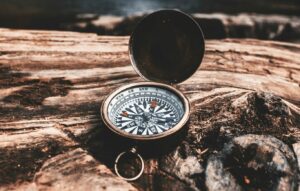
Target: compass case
<point>167,46</point>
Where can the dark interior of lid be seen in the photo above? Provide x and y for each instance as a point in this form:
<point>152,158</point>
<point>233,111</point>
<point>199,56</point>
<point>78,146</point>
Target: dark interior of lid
<point>167,46</point>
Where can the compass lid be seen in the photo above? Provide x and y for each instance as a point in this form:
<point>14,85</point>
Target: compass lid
<point>167,46</point>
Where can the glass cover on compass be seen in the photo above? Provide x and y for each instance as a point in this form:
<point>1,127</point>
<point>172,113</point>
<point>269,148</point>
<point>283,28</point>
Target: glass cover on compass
<point>145,110</point>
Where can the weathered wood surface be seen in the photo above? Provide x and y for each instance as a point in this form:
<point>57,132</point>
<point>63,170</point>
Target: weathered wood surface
<point>52,136</point>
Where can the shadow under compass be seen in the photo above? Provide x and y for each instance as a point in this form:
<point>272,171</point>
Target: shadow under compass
<point>106,145</point>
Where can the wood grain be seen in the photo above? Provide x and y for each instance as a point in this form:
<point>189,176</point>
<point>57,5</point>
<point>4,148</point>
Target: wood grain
<point>51,134</point>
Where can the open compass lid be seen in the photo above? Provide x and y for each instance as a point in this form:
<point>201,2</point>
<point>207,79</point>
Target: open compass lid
<point>167,46</point>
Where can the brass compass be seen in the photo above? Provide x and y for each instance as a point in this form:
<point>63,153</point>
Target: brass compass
<point>165,49</point>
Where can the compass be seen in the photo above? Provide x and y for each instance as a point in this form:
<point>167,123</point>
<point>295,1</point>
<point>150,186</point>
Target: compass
<point>165,49</point>
<point>146,110</point>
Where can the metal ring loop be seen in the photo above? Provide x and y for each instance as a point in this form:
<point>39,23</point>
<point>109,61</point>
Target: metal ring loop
<point>133,151</point>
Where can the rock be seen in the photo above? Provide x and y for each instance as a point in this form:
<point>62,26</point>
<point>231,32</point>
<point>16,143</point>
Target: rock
<point>252,162</point>
<point>296,147</point>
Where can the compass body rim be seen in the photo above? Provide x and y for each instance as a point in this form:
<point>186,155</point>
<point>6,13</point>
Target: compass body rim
<point>173,130</point>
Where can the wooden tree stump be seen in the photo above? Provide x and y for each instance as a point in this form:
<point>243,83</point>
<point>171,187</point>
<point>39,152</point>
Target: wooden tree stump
<point>243,134</point>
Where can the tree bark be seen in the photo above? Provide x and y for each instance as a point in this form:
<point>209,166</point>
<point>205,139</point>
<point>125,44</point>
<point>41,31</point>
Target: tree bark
<point>243,132</point>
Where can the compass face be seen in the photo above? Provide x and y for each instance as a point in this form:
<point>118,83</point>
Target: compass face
<point>145,110</point>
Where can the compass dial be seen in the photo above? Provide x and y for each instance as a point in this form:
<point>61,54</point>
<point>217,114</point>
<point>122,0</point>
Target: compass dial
<point>145,110</point>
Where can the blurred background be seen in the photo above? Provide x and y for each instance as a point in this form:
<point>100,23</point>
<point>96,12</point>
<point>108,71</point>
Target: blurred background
<point>262,19</point>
